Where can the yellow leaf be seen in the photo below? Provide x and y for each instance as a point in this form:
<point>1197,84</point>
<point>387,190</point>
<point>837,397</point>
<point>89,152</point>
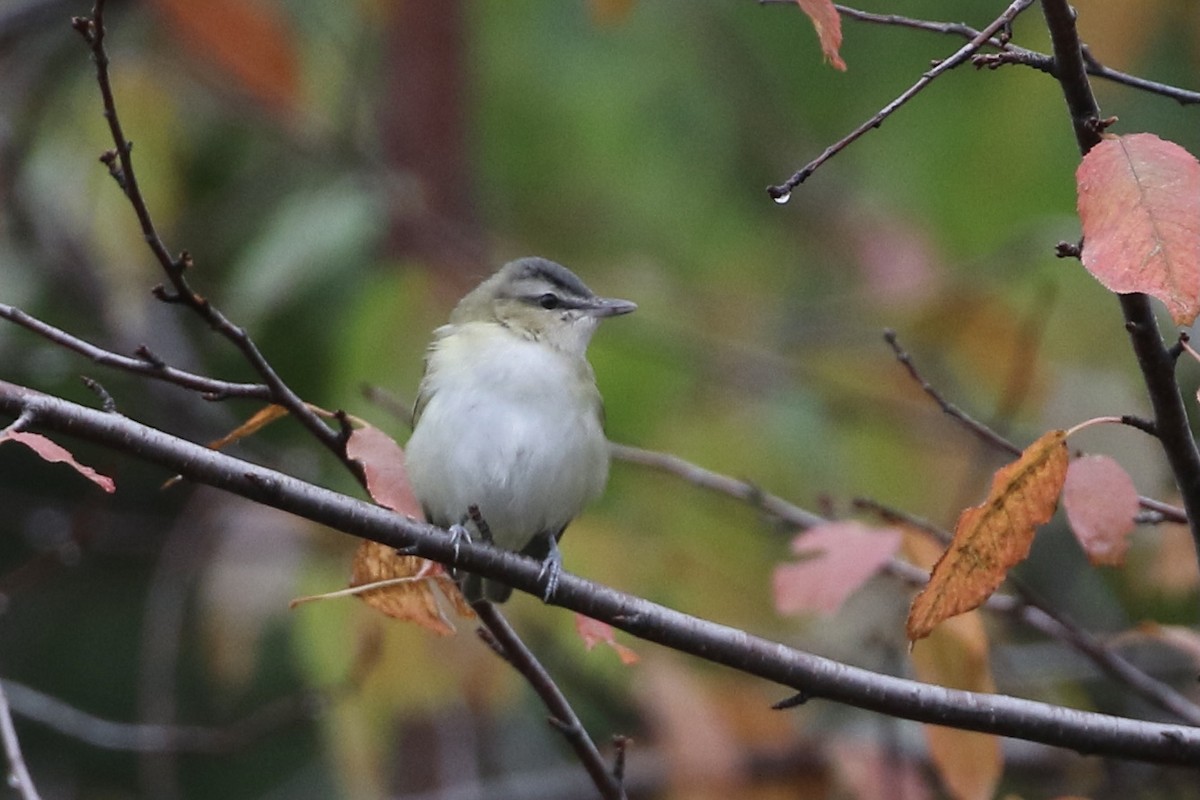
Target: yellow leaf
<point>956,656</point>
<point>993,537</point>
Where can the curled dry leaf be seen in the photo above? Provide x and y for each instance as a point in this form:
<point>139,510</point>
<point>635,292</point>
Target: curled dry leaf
<point>594,632</point>
<point>411,586</point>
<point>837,559</point>
<point>56,453</point>
<point>1139,205</point>
<point>993,537</point>
<point>1101,501</point>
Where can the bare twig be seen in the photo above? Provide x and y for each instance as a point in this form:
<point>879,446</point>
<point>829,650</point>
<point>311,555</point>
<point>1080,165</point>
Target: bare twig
<point>18,773</point>
<point>992,438</point>
<point>147,365</point>
<point>1038,616</point>
<point>1025,611</point>
<point>1096,734</point>
<point>1155,359</point>
<point>783,191</point>
<point>120,164</point>
<point>68,720</point>
<point>563,718</point>
<point>791,514</point>
<point>1013,54</point>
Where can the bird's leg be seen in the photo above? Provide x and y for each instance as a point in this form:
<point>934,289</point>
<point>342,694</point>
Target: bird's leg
<point>551,569</point>
<point>485,533</point>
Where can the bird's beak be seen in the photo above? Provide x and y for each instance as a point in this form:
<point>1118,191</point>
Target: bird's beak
<point>609,307</point>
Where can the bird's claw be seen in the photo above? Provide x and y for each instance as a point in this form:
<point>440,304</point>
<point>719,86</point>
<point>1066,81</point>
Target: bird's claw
<point>458,535</point>
<point>550,572</point>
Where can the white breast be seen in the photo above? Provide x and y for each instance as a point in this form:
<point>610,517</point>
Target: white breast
<point>512,426</point>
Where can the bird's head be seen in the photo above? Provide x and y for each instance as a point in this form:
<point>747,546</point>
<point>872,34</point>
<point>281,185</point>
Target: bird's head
<point>541,300</point>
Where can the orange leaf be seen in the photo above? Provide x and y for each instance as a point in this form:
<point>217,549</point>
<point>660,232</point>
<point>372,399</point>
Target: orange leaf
<point>1101,501</point>
<point>261,419</point>
<point>594,632</point>
<point>250,41</point>
<point>1139,203</point>
<point>837,558</point>
<point>993,537</point>
<point>383,464</point>
<point>56,453</point>
<point>414,594</point>
<point>956,655</point>
<point>829,28</point>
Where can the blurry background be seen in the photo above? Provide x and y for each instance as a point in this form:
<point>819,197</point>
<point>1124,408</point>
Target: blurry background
<point>342,172</point>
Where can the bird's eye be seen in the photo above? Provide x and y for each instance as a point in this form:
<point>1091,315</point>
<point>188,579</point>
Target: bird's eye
<point>549,301</point>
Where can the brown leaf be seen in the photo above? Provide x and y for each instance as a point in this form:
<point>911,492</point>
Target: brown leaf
<point>250,42</point>
<point>261,419</point>
<point>956,656</point>
<point>383,464</point>
<point>837,558</point>
<point>1101,501</point>
<point>414,594</point>
<point>1139,204</point>
<point>594,632</point>
<point>825,19</point>
<point>56,453</point>
<point>993,537</point>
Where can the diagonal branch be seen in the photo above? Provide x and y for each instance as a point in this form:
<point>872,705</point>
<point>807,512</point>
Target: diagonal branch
<point>120,165</point>
<point>1155,359</point>
<point>783,191</point>
<point>563,718</point>
<point>811,675</point>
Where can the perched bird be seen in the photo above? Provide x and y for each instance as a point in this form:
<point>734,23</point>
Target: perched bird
<point>508,417</point>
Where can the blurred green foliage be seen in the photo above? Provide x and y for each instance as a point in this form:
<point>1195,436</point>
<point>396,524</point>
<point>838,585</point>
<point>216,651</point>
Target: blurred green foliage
<point>636,152</point>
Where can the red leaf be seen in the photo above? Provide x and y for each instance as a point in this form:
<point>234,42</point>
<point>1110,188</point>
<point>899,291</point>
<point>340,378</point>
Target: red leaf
<point>842,556</point>
<point>1139,203</point>
<point>53,452</point>
<point>594,632</point>
<point>829,28</point>
<point>1101,501</point>
<point>383,463</point>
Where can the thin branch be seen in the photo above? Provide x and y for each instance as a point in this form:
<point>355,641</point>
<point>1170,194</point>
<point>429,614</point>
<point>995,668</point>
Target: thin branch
<point>783,191</point>
<point>1026,610</point>
<point>148,365</point>
<point>992,438</point>
<point>120,164</point>
<point>817,677</point>
<point>1013,54</point>
<point>18,773</point>
<point>563,718</point>
<point>68,720</point>
<point>1155,359</point>
<point>699,476</point>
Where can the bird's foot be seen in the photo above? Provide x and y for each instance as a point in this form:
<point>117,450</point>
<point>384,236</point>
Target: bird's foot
<point>551,570</point>
<point>458,535</point>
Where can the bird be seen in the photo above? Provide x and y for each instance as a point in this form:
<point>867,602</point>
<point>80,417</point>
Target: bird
<point>508,419</point>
